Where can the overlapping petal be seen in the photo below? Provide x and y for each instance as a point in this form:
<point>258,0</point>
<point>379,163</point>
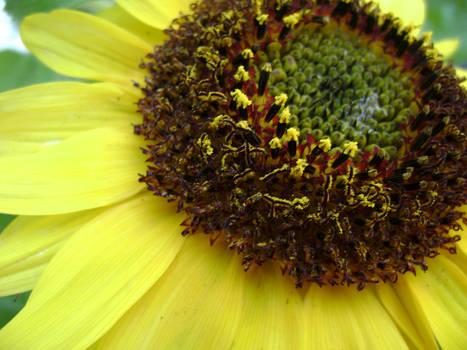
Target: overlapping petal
<point>123,19</point>
<point>341,317</point>
<point>100,272</point>
<point>85,46</point>
<point>30,242</point>
<point>44,114</point>
<point>89,170</point>
<point>156,13</point>
<point>407,314</point>
<point>411,12</point>
<point>196,304</point>
<point>441,292</point>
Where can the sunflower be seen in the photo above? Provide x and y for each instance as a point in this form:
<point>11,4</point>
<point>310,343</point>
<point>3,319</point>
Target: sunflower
<point>259,175</point>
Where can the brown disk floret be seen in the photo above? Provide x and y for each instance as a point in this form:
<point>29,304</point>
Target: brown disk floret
<point>220,143</point>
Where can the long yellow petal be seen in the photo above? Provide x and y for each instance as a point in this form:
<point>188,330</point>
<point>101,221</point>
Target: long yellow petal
<point>100,272</point>
<point>28,243</point>
<point>272,312</point>
<point>343,318</point>
<point>21,281</point>
<point>156,13</point>
<point>50,112</point>
<point>447,47</point>
<point>195,305</point>
<point>411,11</point>
<point>84,46</point>
<point>407,314</point>
<point>442,292</point>
<point>89,170</point>
<point>123,19</point>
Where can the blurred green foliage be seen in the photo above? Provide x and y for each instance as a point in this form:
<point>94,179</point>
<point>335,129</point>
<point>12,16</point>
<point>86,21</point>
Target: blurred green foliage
<point>19,9</point>
<point>445,18</point>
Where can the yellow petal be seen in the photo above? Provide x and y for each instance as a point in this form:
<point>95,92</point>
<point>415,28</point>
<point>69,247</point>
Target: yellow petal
<point>29,242</point>
<point>341,317</point>
<point>273,313</point>
<point>196,304</point>
<point>156,13</point>
<point>84,46</point>
<point>21,281</point>
<point>407,314</point>
<point>123,19</point>
<point>99,273</point>
<point>51,112</point>
<point>410,11</point>
<point>89,170</point>
<point>18,147</point>
<point>442,292</point>
<point>447,47</point>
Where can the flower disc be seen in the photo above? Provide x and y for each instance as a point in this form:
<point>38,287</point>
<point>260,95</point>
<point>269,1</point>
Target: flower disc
<point>319,134</point>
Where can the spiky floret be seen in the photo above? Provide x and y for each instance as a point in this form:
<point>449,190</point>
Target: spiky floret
<point>220,143</point>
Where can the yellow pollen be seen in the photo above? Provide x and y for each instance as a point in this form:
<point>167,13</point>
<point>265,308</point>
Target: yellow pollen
<point>243,124</point>
<point>299,168</point>
<point>285,116</point>
<point>205,143</point>
<point>247,53</point>
<point>325,144</point>
<point>292,134</point>
<point>301,203</point>
<point>292,19</point>
<point>242,74</point>
<point>275,143</point>
<point>351,148</point>
<point>240,98</point>
<point>281,100</point>
<point>262,18</point>
<point>267,67</point>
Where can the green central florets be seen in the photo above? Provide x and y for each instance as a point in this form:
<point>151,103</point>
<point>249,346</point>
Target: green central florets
<point>338,87</point>
<point>319,134</point>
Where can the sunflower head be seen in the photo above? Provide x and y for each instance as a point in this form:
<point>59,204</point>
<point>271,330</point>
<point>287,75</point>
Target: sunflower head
<point>320,134</point>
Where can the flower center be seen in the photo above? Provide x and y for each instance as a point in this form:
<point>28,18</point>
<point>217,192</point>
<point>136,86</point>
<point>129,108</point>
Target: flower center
<point>318,134</point>
<point>337,87</point>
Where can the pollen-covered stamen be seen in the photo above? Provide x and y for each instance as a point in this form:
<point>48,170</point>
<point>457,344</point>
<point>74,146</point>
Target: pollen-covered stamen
<point>335,147</point>
<point>260,22</point>
<point>279,102</point>
<point>264,77</point>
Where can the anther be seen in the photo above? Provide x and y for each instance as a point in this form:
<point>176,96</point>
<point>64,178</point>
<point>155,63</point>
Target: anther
<point>350,149</point>
<point>276,106</point>
<point>421,139</point>
<point>240,101</point>
<point>260,22</point>
<point>440,126</point>
<point>324,145</point>
<point>243,59</point>
<point>281,9</point>
<point>264,77</point>
<point>378,158</point>
<point>276,146</point>
<point>341,9</point>
<point>415,186</point>
<point>292,136</point>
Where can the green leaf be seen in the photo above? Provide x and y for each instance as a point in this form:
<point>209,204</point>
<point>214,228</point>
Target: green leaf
<point>447,20</point>
<point>19,70</point>
<point>10,306</point>
<point>19,9</point>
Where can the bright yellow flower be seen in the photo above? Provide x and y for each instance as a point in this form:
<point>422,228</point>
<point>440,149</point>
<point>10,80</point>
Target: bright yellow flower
<point>105,259</point>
